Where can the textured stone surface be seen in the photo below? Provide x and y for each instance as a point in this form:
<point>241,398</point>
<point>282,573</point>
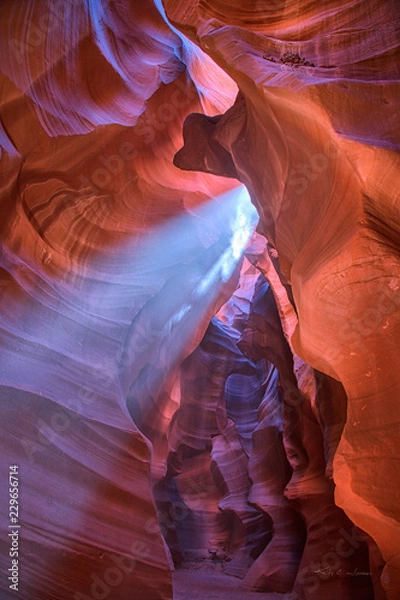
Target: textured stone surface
<point>321,172</point>
<point>89,341</point>
<point>147,432</point>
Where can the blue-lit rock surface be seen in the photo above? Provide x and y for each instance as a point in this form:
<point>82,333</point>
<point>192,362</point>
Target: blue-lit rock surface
<point>165,407</point>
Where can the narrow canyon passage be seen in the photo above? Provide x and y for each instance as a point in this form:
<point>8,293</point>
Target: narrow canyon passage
<point>199,300</point>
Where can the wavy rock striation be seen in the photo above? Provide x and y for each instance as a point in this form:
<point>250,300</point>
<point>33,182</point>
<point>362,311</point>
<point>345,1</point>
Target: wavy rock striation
<point>321,172</point>
<point>149,433</point>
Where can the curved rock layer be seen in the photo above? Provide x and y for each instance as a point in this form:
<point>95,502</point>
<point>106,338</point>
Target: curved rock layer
<point>309,489</point>
<point>147,431</point>
<point>314,135</point>
<point>105,247</point>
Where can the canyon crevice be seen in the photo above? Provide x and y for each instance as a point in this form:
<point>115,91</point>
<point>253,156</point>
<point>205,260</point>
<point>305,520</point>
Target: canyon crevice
<point>200,297</point>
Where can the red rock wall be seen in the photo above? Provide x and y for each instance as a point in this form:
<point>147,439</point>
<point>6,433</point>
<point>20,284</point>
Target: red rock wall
<point>314,136</point>
<point>86,173</point>
<point>146,436</point>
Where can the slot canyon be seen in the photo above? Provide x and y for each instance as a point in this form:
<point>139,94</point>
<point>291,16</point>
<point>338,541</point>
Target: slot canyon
<point>200,299</point>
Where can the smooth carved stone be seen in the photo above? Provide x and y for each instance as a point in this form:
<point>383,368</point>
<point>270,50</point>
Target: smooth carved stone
<point>250,528</point>
<point>96,474</point>
<point>94,101</point>
<point>215,160</point>
<point>92,106</point>
<point>303,443</point>
<point>319,154</point>
<point>331,415</point>
<point>208,462</point>
<point>270,471</point>
<point>234,458</point>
